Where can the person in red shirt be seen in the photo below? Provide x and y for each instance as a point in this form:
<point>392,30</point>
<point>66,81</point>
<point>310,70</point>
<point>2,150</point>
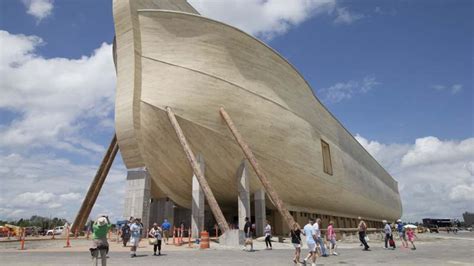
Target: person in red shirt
<point>331,237</point>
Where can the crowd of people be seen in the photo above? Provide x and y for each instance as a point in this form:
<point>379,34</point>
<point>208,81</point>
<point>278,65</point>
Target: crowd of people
<point>132,232</point>
<point>317,246</point>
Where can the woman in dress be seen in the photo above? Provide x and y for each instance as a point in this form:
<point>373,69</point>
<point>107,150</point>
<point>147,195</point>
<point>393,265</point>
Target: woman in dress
<point>411,237</point>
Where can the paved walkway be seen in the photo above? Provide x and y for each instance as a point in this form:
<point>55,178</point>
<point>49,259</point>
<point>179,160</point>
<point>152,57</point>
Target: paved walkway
<point>432,250</point>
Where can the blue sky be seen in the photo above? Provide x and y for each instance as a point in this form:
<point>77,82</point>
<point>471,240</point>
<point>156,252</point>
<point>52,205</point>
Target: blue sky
<point>397,74</point>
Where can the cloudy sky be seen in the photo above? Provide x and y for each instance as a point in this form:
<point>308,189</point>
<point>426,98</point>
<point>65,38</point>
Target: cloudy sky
<point>397,74</point>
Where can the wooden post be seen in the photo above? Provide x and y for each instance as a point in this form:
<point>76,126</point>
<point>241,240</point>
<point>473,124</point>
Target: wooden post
<point>261,175</point>
<point>96,186</point>
<point>197,171</point>
<point>68,243</point>
<point>190,244</point>
<point>174,233</point>
<point>22,238</point>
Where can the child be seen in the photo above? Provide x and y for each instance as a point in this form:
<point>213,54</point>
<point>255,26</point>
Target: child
<point>411,237</point>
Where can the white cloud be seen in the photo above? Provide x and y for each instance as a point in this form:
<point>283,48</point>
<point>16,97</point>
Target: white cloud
<point>344,16</point>
<point>43,184</point>
<point>33,198</point>
<point>52,97</point>
<point>382,11</point>
<point>346,90</point>
<point>263,18</point>
<point>439,87</point>
<point>431,150</point>
<point>436,177</point>
<point>39,9</point>
<point>70,196</point>
<point>462,193</point>
<point>454,89</point>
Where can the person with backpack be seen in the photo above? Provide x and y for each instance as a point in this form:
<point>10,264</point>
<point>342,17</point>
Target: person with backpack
<point>295,234</point>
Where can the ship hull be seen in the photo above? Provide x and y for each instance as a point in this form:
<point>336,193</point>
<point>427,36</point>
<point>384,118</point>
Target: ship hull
<point>196,65</point>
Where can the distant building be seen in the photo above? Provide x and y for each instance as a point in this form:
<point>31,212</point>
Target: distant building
<point>468,218</point>
<point>438,222</point>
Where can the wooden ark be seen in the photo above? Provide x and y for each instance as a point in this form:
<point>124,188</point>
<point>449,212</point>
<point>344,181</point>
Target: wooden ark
<point>168,55</point>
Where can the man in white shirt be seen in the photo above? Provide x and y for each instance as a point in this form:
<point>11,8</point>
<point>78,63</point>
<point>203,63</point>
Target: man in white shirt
<point>310,234</point>
<point>136,234</point>
<point>319,239</point>
<point>388,234</point>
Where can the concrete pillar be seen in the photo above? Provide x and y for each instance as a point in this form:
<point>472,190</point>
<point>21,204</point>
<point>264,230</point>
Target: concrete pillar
<point>161,209</point>
<point>244,195</point>
<point>197,216</point>
<point>260,211</point>
<point>137,195</point>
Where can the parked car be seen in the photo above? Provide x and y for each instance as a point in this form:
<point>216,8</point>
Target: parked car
<point>57,231</point>
<point>432,228</point>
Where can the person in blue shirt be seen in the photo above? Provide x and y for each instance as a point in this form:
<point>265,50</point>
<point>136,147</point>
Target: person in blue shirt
<point>401,233</point>
<point>310,233</point>
<point>166,230</point>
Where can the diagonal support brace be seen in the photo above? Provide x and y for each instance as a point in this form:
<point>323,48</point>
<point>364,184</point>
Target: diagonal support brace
<point>96,186</point>
<point>216,210</point>
<point>271,192</point>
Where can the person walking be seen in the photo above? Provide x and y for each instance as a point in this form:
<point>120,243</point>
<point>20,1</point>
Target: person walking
<point>125,233</point>
<point>166,227</point>
<point>388,235</point>
<point>319,239</point>
<point>362,228</point>
<point>268,236</point>
<point>401,233</point>
<point>331,237</point>
<point>411,237</point>
<point>156,234</point>
<point>308,231</point>
<point>135,236</point>
<point>248,234</point>
<point>99,240</point>
<point>295,234</point>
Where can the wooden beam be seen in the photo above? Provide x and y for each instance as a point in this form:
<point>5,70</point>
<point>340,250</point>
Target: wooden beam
<point>272,194</point>
<point>96,186</point>
<point>216,210</point>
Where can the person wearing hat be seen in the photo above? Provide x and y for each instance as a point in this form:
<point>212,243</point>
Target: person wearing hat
<point>401,233</point>
<point>99,240</point>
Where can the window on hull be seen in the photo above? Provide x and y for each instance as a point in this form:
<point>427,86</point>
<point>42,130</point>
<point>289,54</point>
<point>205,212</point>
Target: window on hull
<point>327,164</point>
